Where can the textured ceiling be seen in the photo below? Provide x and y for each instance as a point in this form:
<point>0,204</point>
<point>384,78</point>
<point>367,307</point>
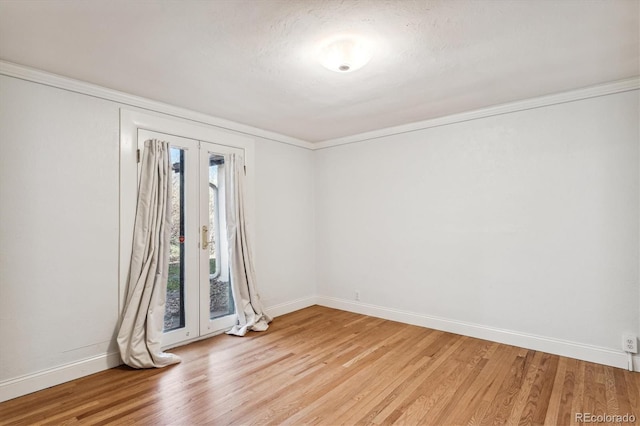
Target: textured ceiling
<point>251,61</point>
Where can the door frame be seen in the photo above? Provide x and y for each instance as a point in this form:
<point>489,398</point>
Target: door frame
<point>130,122</point>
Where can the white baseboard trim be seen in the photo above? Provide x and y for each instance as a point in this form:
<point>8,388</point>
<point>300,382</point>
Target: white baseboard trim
<point>291,306</point>
<point>27,384</point>
<point>569,349</point>
<point>24,385</point>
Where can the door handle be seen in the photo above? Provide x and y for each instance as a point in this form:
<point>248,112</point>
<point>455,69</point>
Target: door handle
<point>205,237</point>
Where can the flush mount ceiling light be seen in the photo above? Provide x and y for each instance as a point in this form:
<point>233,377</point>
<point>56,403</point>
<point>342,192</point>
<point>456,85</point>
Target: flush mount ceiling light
<point>345,53</point>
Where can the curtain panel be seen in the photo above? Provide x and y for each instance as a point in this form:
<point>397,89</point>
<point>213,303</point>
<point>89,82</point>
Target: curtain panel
<point>251,315</point>
<point>141,329</point>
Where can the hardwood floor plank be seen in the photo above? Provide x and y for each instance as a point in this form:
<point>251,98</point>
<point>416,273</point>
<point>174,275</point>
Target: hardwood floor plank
<point>335,404</point>
<point>321,366</point>
<point>486,386</point>
<point>389,382</point>
<point>502,404</point>
<point>589,405</point>
<point>444,396</point>
<point>578,405</point>
<point>600,391</point>
<point>621,391</point>
<point>549,367</point>
<point>516,416</point>
<point>633,387</point>
<point>555,400</point>
<point>565,414</point>
<point>612,405</point>
<point>422,400</point>
<point>403,390</point>
<point>470,393</point>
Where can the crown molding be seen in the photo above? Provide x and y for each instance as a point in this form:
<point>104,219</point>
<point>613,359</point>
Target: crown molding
<point>526,104</point>
<point>42,77</point>
<point>48,79</point>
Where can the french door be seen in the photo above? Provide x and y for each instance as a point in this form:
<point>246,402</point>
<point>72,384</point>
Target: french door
<point>200,298</point>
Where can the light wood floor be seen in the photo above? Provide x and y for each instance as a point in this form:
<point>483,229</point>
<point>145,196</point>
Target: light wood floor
<point>323,366</point>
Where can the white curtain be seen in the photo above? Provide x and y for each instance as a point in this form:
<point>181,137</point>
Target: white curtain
<point>140,334</point>
<point>250,312</point>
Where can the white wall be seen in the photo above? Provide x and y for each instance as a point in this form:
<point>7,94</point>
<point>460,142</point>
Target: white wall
<point>285,224</point>
<point>527,221</point>
<point>58,227</point>
<point>59,208</point>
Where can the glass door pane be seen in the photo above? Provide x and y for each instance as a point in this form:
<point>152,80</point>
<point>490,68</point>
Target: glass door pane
<point>174,311</point>
<point>217,307</point>
<point>220,294</point>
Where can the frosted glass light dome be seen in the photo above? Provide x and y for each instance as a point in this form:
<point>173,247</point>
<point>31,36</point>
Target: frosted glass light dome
<point>345,53</point>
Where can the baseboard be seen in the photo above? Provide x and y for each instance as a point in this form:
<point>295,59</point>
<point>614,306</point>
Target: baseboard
<point>24,385</point>
<point>291,306</point>
<point>20,386</point>
<point>569,349</point>
<point>34,382</point>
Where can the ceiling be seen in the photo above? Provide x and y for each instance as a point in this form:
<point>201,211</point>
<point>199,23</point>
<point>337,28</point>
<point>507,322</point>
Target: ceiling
<point>252,61</point>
